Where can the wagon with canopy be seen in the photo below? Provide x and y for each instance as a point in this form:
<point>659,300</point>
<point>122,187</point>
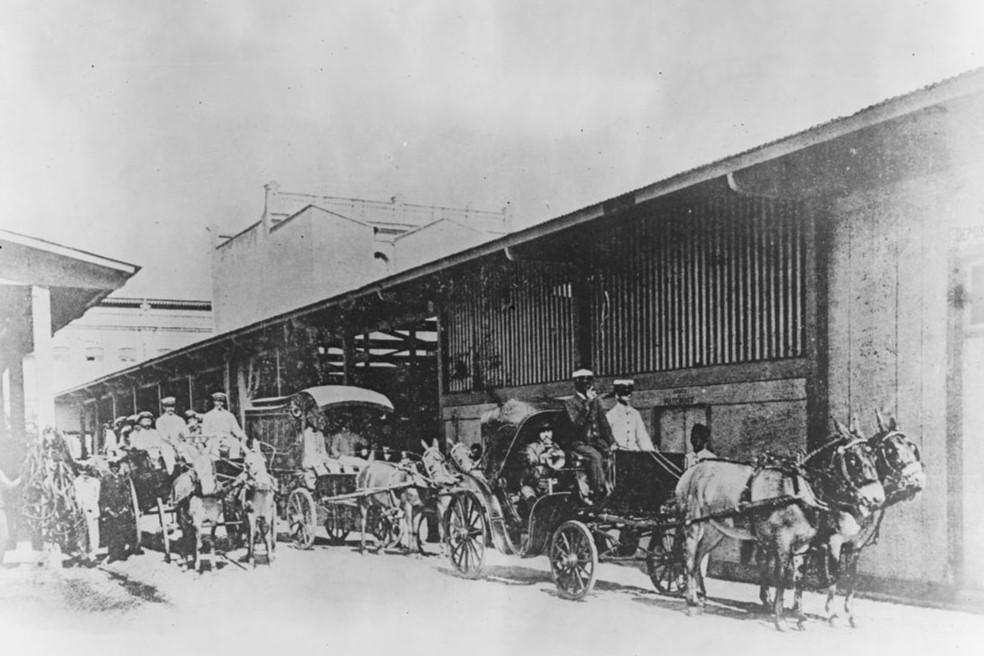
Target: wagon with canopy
<point>313,443</point>
<point>489,508</point>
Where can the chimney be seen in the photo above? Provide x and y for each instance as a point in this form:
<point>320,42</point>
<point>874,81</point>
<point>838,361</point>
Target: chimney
<point>271,189</point>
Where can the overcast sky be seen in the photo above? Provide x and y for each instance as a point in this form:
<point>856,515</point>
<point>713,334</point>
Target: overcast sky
<point>128,127</point>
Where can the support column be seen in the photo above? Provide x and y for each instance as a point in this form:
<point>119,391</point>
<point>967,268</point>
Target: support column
<point>16,381</point>
<point>44,395</point>
<point>3,412</point>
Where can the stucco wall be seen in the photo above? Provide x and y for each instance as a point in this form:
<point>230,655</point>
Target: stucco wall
<point>888,336</point>
<point>312,256</point>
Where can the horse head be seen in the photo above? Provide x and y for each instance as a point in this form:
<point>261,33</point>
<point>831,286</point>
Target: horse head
<point>897,460</point>
<point>847,467</point>
<point>256,472</point>
<point>436,465</point>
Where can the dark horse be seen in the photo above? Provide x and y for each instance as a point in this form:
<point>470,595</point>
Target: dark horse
<point>901,473</point>
<point>776,505</point>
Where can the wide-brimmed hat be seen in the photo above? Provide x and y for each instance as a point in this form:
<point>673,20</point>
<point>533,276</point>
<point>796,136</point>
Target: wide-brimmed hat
<point>189,414</point>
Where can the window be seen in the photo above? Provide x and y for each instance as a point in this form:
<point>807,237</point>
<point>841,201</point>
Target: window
<point>672,426</point>
<point>94,354</point>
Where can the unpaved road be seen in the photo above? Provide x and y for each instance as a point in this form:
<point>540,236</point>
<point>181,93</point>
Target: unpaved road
<point>332,599</point>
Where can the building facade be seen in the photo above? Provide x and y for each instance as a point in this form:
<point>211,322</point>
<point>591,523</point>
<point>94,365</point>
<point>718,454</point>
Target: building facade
<point>832,273</point>
<point>308,247</point>
<point>117,333</point>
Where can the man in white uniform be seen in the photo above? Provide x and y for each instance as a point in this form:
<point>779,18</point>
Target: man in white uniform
<point>146,438</point>
<point>220,423</point>
<point>628,429</point>
<point>170,426</point>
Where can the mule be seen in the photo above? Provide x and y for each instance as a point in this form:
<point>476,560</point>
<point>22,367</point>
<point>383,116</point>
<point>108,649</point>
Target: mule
<point>774,504</point>
<point>418,487</point>
<point>900,471</point>
<point>260,506</point>
<point>399,496</point>
<point>194,511</point>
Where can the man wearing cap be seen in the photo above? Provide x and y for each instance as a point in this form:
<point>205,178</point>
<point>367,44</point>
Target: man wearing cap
<point>628,428</point>
<point>219,422</point>
<point>146,438</point>
<point>591,436</point>
<point>170,426</point>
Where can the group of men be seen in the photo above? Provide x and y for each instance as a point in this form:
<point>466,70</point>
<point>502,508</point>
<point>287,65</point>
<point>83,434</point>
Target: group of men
<point>595,433</point>
<point>165,437</point>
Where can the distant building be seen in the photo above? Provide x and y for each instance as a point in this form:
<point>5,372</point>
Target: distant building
<point>308,247</point>
<point>118,333</point>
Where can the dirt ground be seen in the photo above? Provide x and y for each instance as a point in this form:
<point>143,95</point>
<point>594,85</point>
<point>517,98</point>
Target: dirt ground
<point>333,598</point>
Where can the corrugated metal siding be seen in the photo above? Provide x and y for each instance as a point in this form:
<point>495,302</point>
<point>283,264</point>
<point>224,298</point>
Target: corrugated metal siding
<point>720,282</point>
<point>506,329</point>
<point>717,282</point>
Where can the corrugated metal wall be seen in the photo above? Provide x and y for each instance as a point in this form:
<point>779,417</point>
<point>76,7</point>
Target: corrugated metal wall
<point>719,281</point>
<point>512,327</point>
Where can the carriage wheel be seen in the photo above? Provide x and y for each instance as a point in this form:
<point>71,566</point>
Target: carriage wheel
<point>302,518</point>
<point>336,525</point>
<point>465,534</point>
<point>386,526</point>
<point>573,560</point>
<point>664,562</point>
<point>165,538</point>
<point>137,549</point>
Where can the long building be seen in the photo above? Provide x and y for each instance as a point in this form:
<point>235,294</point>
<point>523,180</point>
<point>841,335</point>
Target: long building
<point>827,274</point>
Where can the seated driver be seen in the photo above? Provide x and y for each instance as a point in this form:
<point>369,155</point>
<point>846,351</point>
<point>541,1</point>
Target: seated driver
<point>542,456</point>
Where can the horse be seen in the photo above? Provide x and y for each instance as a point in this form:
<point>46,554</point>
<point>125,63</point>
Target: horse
<point>260,506</point>
<point>198,500</point>
<point>901,473</point>
<point>773,503</point>
<point>402,486</point>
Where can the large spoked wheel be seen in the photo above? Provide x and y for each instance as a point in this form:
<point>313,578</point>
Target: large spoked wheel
<point>137,547</point>
<point>165,530</point>
<point>465,534</point>
<point>664,562</point>
<point>337,525</point>
<point>573,560</point>
<point>302,518</point>
<point>386,526</point>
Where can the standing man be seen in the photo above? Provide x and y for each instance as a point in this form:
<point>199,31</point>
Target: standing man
<point>700,440</point>
<point>170,426</point>
<point>219,422</point>
<point>116,519</point>
<point>628,428</point>
<point>591,436</point>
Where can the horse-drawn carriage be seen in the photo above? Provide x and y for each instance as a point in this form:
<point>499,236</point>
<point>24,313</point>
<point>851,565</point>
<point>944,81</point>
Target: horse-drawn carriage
<point>491,507</point>
<point>196,487</point>
<point>317,488</point>
<point>793,508</point>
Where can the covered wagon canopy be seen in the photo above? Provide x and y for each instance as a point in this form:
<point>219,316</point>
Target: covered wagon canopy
<point>329,395</point>
<point>310,403</point>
